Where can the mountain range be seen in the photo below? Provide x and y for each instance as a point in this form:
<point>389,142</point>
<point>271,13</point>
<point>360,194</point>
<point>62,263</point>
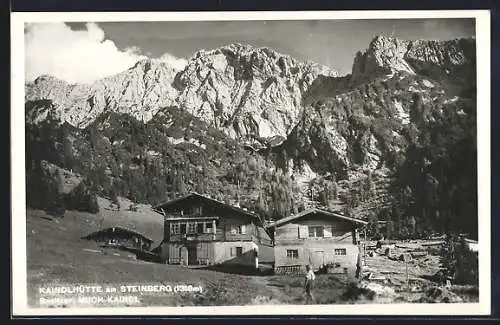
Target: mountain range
<point>238,112</point>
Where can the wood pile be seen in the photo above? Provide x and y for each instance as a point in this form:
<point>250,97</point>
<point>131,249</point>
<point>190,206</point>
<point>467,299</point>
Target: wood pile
<point>289,270</point>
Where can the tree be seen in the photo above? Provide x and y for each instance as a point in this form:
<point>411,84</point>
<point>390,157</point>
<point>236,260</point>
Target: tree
<point>373,227</point>
<point>368,187</point>
<point>396,219</point>
<point>458,262</point>
<point>412,224</point>
<point>51,192</point>
<point>179,184</point>
<point>388,229</point>
<point>93,137</point>
<point>114,197</point>
<point>69,157</point>
<point>82,199</point>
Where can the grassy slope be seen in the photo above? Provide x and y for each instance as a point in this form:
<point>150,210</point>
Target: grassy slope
<point>144,220</point>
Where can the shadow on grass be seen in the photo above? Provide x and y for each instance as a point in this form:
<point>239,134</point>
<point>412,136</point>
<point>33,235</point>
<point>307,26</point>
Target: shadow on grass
<point>263,270</point>
<point>142,255</point>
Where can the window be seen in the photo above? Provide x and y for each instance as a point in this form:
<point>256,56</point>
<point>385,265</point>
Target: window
<point>316,231</point>
<point>208,227</point>
<point>191,228</point>
<point>237,229</point>
<point>292,253</point>
<point>340,251</point>
<point>197,211</point>
<point>176,228</point>
<point>236,251</point>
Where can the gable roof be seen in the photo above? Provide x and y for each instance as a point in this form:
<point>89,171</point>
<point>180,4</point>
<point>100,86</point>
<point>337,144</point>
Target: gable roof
<point>210,200</point>
<point>316,210</point>
<point>116,230</point>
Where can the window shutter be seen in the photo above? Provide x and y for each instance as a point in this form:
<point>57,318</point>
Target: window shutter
<point>231,251</point>
<point>327,232</point>
<point>303,232</point>
<point>243,229</point>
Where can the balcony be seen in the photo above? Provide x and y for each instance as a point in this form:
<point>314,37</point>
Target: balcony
<point>193,237</point>
<point>190,217</point>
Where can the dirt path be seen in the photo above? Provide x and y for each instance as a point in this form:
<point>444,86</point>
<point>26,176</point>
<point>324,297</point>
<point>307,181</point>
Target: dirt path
<point>269,293</point>
<point>283,289</point>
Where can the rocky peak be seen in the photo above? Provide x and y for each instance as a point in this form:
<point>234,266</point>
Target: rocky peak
<point>387,55</point>
<point>247,91</point>
<point>139,91</point>
<point>154,65</point>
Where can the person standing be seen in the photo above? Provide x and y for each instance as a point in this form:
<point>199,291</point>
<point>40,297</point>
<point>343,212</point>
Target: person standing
<point>359,263</point>
<point>309,283</point>
<point>255,255</point>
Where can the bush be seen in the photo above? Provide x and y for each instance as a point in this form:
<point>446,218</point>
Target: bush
<point>459,263</point>
<point>354,292</point>
<point>43,190</point>
<point>82,199</point>
<point>56,207</point>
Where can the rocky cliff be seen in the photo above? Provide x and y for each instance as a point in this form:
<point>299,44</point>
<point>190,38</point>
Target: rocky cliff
<point>389,55</point>
<point>139,91</point>
<point>249,92</point>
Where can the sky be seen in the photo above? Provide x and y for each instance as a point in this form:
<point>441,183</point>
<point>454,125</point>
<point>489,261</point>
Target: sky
<point>85,52</point>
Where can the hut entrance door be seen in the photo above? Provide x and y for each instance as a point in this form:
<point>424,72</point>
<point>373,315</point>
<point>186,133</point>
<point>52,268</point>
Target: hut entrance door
<point>317,259</point>
<point>183,254</point>
<point>192,255</point>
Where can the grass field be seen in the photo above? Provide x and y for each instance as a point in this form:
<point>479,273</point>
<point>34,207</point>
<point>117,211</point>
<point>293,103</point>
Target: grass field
<point>56,256</point>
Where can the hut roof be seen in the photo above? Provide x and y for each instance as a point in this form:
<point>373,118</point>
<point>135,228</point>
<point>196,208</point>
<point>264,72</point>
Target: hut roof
<point>318,211</point>
<point>201,197</point>
<point>120,231</point>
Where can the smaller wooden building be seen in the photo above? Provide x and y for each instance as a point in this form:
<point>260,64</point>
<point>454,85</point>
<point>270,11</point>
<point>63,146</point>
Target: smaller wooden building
<point>472,245</point>
<point>200,230</point>
<point>322,239</point>
<point>121,237</point>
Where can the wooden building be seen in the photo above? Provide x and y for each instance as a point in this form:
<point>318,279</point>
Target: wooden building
<point>121,238</point>
<point>322,239</point>
<point>200,230</point>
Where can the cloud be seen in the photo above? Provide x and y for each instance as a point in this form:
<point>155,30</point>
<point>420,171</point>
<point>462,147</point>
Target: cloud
<point>78,56</point>
<point>177,63</point>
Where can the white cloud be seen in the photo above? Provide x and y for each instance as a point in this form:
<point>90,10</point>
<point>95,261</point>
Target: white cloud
<point>78,56</point>
<point>177,63</point>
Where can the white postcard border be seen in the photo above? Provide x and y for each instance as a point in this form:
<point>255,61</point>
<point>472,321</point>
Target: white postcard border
<point>18,217</point>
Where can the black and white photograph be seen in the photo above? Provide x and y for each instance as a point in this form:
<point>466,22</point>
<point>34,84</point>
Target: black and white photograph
<point>254,163</point>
